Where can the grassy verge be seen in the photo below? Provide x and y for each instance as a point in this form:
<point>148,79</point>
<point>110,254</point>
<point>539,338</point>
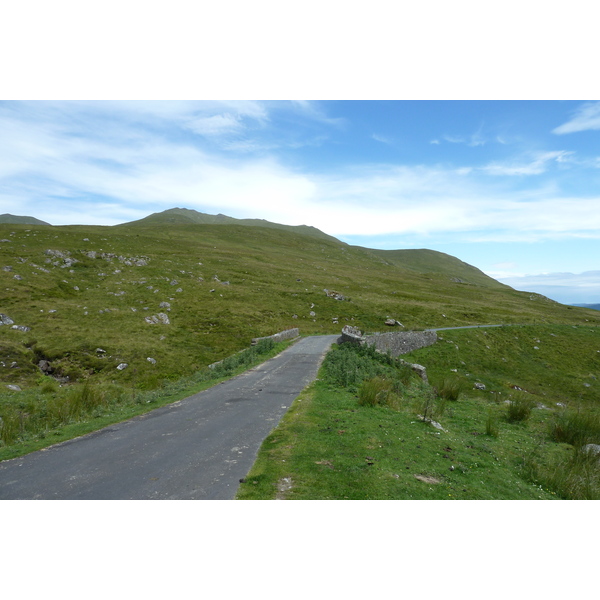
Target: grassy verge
<point>34,419</point>
<point>356,433</point>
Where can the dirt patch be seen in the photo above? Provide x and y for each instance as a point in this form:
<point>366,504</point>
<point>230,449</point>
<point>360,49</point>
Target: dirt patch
<point>427,479</point>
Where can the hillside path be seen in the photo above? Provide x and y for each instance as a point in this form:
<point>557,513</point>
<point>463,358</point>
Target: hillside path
<point>197,448</point>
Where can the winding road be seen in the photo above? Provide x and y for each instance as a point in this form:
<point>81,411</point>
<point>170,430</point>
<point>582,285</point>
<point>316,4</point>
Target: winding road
<point>197,448</point>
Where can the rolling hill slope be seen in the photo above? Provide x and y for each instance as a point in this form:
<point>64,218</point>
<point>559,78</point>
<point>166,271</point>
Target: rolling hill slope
<point>188,295</point>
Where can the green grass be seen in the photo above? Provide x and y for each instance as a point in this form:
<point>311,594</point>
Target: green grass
<point>344,440</point>
<point>226,284</point>
<point>50,414</point>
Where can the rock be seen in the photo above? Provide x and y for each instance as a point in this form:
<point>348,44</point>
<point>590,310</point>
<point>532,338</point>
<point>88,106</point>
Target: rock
<point>390,322</point>
<point>592,449</point>
<point>18,277</point>
<point>420,370</point>
<point>45,366</point>
<point>151,360</point>
<point>333,294</point>
<point>312,313</point>
<point>13,388</point>
<point>7,268</point>
<point>5,320</point>
<point>100,351</point>
<point>163,318</point>
<point>479,386</point>
<point>174,282</point>
<point>122,366</point>
<point>164,305</point>
<point>21,328</point>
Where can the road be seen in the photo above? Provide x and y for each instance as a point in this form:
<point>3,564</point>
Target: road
<point>197,448</point>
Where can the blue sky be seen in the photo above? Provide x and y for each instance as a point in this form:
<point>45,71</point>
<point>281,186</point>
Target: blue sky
<point>511,187</point>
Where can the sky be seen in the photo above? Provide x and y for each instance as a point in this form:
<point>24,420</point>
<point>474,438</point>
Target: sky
<point>511,187</point>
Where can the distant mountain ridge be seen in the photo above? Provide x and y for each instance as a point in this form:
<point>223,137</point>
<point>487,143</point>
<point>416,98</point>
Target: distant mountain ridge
<point>592,306</point>
<point>187,216</point>
<point>20,220</point>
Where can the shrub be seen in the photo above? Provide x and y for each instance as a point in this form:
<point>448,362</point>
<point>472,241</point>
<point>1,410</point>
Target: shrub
<point>519,408</point>
<point>449,389</point>
<point>576,428</point>
<point>377,391</point>
<point>491,425</point>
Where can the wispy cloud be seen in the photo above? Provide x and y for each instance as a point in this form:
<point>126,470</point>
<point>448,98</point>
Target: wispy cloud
<point>586,117</point>
<point>534,166</point>
<point>381,138</point>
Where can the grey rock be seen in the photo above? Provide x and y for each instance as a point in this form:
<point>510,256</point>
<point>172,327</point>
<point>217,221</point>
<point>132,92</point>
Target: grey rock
<point>592,449</point>
<point>122,366</point>
<point>479,386</point>
<point>151,360</point>
<point>21,328</point>
<point>13,388</point>
<point>5,319</point>
<point>164,305</point>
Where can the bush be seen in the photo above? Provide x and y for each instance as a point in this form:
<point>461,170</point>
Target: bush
<point>378,391</point>
<point>449,389</point>
<point>576,428</point>
<point>519,408</point>
<point>491,425</point>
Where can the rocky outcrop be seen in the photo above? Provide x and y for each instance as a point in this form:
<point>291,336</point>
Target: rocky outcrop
<point>352,335</point>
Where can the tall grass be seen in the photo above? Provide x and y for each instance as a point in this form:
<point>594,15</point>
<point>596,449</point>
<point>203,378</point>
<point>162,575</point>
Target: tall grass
<point>51,406</point>
<point>577,428</point>
<point>519,407</point>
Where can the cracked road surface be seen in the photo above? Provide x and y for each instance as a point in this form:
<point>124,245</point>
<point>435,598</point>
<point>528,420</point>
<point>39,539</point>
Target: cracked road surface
<point>197,448</point>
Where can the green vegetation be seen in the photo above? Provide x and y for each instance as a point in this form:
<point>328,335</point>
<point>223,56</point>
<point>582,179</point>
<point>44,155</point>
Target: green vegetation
<point>49,414</point>
<point>169,295</point>
<point>395,438</point>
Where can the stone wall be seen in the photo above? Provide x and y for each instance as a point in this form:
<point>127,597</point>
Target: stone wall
<point>288,334</point>
<point>401,342</point>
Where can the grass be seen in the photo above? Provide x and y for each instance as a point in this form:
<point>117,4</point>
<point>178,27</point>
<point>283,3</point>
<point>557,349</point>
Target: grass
<point>84,294</point>
<point>346,440</point>
<point>50,414</point>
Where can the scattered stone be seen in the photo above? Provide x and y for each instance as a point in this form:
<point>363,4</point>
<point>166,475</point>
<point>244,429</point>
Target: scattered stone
<point>166,305</point>
<point>100,351</point>
<point>14,388</point>
<point>592,449</point>
<point>18,277</point>
<point>21,328</point>
<point>479,386</point>
<point>427,479</point>
<point>45,366</point>
<point>332,294</point>
<point>5,320</point>
<point>313,313</point>
<point>179,290</point>
<point>7,268</point>
<point>151,360</point>
<point>122,366</point>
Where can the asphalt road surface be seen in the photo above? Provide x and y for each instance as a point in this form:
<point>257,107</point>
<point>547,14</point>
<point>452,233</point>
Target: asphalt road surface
<point>197,448</point>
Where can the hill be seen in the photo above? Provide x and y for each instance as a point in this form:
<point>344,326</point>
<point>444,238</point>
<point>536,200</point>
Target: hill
<point>590,306</point>
<point>431,261</point>
<point>186,216</point>
<point>79,288</point>
<point>15,219</point>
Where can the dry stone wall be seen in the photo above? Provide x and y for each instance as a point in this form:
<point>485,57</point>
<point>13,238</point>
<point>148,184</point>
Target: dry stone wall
<point>288,334</point>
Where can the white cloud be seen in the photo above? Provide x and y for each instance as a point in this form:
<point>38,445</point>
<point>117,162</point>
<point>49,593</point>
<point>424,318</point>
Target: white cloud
<point>215,125</point>
<point>586,117</point>
<point>535,166</point>
<point>381,138</point>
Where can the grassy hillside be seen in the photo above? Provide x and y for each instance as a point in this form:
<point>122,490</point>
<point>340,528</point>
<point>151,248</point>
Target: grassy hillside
<point>89,299</point>
<point>21,220</point>
<point>356,433</point>
<point>186,216</point>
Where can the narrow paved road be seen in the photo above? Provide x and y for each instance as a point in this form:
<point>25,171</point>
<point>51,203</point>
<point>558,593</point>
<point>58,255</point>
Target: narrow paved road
<point>197,448</point>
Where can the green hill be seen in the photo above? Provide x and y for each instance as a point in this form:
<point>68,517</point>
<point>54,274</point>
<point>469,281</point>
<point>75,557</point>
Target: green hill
<point>110,313</point>
<point>15,219</point>
<point>430,261</point>
<point>79,288</point>
<point>186,216</point>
